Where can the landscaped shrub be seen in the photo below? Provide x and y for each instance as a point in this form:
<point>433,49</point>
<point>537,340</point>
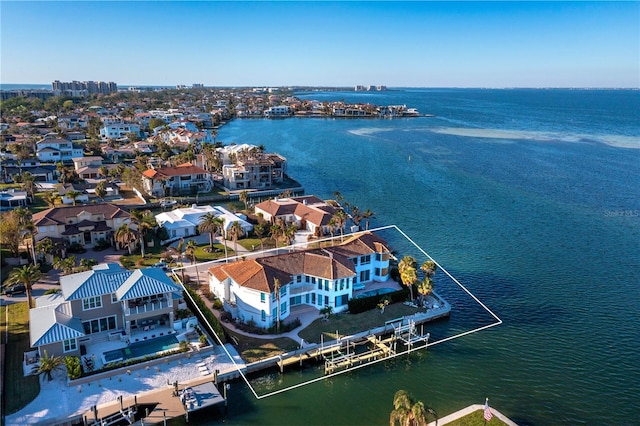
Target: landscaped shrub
<point>208,315</point>
<point>217,304</point>
<point>101,245</point>
<point>363,304</point>
<point>76,248</point>
<point>74,370</point>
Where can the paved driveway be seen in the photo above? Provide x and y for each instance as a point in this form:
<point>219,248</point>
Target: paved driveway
<point>52,278</point>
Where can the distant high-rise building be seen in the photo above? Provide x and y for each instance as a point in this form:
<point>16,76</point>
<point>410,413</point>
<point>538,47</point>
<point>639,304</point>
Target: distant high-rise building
<point>197,86</point>
<point>83,88</point>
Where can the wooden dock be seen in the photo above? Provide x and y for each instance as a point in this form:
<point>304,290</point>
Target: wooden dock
<point>166,403</point>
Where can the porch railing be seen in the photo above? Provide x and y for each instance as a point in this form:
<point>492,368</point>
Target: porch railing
<point>147,307</point>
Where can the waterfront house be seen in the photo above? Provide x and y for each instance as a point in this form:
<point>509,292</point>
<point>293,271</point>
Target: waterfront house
<point>278,111</point>
<point>183,179</point>
<point>254,170</point>
<point>105,303</point>
<point>86,225</point>
<point>315,277</point>
<point>182,223</point>
<point>307,212</point>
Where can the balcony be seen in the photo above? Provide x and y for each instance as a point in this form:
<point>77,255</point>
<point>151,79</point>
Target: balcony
<point>301,289</point>
<point>142,306</point>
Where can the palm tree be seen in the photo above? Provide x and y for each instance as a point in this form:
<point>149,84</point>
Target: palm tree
<point>408,272</point>
<point>27,275</point>
<point>424,287</point>
<point>259,231</point>
<point>290,232</point>
<point>28,183</point>
<point>190,251</point>
<point>236,231</point>
<point>340,219</point>
<point>368,214</point>
<point>144,221</point>
<point>51,197</point>
<point>402,402</point>
<point>124,235</point>
<point>48,364</point>
<point>408,412</point>
<point>88,263</point>
<point>429,268</point>
<point>244,197</point>
<point>67,264</point>
<point>73,195</point>
<point>276,288</point>
<point>211,224</point>
<point>44,247</point>
<point>276,232</point>
<point>101,190</point>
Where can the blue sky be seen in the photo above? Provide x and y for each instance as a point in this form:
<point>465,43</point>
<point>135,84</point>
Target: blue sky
<point>412,44</point>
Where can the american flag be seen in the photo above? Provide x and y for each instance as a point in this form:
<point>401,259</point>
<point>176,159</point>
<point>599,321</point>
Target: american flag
<point>488,415</point>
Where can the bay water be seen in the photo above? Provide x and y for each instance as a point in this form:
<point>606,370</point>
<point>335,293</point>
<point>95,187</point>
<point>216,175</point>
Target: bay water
<point>530,198</point>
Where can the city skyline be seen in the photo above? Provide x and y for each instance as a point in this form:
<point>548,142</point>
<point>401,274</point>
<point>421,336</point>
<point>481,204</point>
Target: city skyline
<point>396,44</point>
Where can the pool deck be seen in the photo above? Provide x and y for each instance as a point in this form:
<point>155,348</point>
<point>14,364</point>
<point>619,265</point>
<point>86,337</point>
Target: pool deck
<point>95,351</point>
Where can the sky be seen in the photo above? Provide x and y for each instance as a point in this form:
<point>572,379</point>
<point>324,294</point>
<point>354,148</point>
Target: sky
<point>321,43</point>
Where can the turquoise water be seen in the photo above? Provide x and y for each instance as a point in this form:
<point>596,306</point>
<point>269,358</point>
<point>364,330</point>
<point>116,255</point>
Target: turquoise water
<point>528,197</point>
<point>140,349</point>
<point>379,291</point>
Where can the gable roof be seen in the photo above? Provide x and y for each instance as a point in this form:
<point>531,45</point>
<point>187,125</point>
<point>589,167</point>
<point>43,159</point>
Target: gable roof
<point>145,282</point>
<point>53,323</point>
<point>96,282</point>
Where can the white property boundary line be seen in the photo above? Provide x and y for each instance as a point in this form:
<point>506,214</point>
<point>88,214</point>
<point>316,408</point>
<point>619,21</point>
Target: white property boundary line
<point>240,368</point>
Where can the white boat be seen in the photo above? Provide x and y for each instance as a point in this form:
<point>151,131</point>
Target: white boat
<point>167,203</point>
<point>189,399</point>
<point>411,112</point>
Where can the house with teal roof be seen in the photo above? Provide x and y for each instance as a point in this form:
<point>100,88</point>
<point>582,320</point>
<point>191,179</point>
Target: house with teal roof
<point>103,304</point>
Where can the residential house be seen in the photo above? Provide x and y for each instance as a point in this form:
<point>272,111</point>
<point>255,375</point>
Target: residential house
<point>86,192</point>
<point>118,130</point>
<point>11,198</point>
<point>307,212</point>
<point>182,223</point>
<point>55,150</point>
<point>88,167</point>
<point>278,111</point>
<point>315,277</point>
<point>86,225</point>
<point>183,179</point>
<point>105,303</point>
<point>254,170</point>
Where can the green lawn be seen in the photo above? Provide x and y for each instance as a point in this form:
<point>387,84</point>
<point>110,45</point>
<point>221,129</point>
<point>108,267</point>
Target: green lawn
<point>350,324</point>
<point>252,349</point>
<point>18,390</point>
<point>476,419</point>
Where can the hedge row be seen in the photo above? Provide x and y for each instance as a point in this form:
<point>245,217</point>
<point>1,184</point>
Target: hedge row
<point>363,304</point>
<point>209,317</point>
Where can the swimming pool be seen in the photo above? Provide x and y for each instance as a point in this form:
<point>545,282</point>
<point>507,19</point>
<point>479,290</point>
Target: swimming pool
<point>140,349</point>
<point>378,292</point>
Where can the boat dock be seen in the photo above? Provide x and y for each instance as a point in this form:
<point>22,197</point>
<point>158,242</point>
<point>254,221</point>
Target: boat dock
<point>157,407</point>
<point>352,351</point>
